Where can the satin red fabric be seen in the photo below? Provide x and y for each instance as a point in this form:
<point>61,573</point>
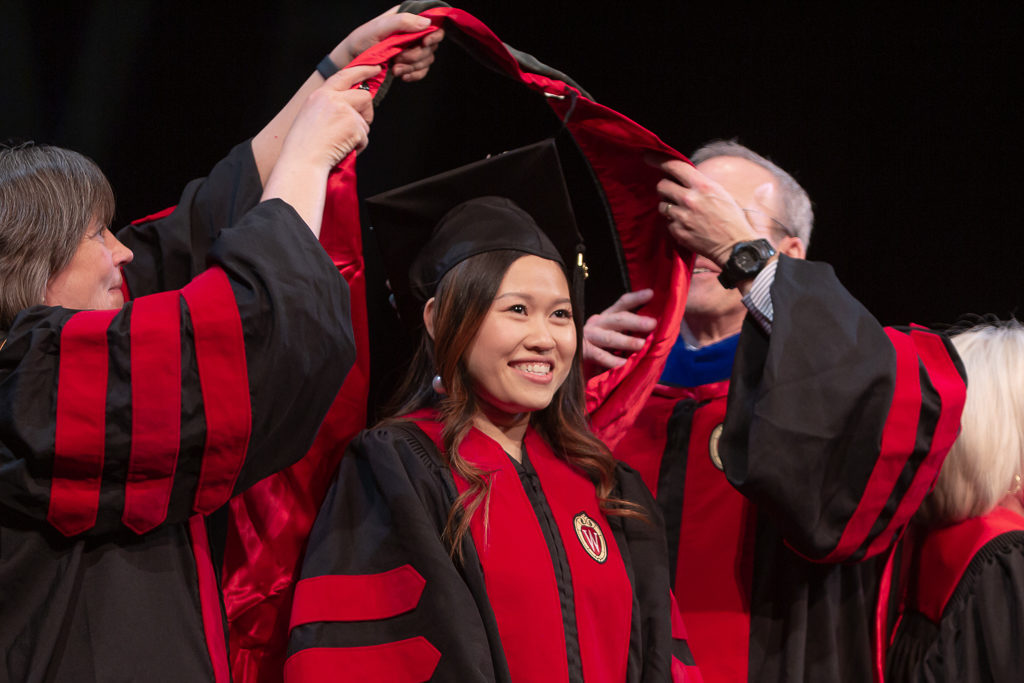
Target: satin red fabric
<point>270,522</point>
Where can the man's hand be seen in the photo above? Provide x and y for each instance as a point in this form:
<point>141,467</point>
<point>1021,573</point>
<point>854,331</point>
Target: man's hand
<point>703,217</point>
<point>412,63</point>
<point>614,328</point>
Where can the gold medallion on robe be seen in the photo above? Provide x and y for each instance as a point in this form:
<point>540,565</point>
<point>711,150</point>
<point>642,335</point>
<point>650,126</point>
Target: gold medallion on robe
<point>591,537</point>
<point>716,434</point>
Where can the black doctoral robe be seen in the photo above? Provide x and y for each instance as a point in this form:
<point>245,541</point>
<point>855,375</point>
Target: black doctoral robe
<point>120,430</point>
<point>963,613</point>
<point>380,595</point>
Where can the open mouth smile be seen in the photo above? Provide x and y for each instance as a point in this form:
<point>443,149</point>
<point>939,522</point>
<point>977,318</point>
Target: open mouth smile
<point>534,369</point>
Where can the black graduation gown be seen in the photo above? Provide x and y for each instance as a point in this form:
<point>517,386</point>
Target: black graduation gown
<point>781,498</point>
<point>384,516</point>
<point>118,428</point>
<point>964,618</point>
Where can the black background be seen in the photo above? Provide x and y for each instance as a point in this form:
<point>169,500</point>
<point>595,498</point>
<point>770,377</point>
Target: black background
<point>902,124</point>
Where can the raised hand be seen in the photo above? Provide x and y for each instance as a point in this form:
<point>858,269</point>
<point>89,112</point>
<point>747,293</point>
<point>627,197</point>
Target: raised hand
<point>703,217</point>
<point>617,329</point>
<point>410,65</point>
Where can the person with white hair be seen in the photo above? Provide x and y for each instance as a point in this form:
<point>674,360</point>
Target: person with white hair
<point>962,610</point>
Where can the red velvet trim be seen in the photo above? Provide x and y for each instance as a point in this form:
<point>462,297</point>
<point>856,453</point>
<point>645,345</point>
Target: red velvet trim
<point>602,591</point>
<point>946,553</point>
<point>154,216</point>
<point>714,568</point>
<point>357,597</point>
<point>898,440</point>
<point>209,600</point>
<point>156,409</point>
<point>880,640</point>
<point>520,563</point>
<point>533,638</point>
<point>223,377</point>
<point>80,431</point>
<point>952,391</point>
<point>404,661</point>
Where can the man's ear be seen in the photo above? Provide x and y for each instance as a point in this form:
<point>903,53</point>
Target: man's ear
<point>428,317</point>
<point>792,247</point>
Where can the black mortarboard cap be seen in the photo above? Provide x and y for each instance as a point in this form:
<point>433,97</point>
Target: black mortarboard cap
<point>516,200</point>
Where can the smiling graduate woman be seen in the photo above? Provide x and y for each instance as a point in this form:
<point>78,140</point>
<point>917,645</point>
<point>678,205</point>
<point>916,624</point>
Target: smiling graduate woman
<point>484,533</point>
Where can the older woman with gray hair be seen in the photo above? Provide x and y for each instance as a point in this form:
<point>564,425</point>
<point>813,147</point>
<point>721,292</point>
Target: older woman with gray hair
<point>963,596</point>
<point>124,427</point>
<point>47,195</point>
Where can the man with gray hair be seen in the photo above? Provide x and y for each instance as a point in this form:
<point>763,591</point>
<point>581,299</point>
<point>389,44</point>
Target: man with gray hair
<point>790,437</point>
<point>775,206</point>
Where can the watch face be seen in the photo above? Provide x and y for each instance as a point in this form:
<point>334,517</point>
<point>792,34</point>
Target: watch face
<point>746,259</point>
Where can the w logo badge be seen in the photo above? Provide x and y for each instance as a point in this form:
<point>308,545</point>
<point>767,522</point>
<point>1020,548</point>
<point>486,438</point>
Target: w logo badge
<point>591,537</point>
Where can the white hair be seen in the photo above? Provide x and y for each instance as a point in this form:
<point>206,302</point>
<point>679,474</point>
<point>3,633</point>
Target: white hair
<point>797,214</point>
<point>989,453</point>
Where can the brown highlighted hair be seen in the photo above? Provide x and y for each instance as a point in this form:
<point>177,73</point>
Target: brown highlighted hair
<point>48,198</point>
<point>461,302</point>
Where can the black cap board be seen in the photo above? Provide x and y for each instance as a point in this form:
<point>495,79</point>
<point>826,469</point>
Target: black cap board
<point>516,200</point>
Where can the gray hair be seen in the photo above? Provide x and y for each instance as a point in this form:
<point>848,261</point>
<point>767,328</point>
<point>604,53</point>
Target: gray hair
<point>989,452</point>
<point>797,213</point>
<point>48,198</point>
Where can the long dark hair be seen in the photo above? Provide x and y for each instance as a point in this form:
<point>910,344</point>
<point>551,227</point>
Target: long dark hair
<point>461,302</point>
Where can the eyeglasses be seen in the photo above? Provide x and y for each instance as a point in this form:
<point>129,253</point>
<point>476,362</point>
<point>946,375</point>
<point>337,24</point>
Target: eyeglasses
<point>776,223</point>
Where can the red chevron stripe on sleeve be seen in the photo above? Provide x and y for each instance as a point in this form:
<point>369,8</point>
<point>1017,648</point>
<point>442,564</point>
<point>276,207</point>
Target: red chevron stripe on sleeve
<point>224,381</point>
<point>80,422</point>
<point>357,597</point>
<point>952,391</point>
<point>156,409</point>
<point>915,351</point>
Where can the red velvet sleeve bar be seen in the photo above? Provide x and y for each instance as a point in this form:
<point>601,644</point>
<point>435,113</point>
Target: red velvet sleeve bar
<point>156,409</point>
<point>357,597</point>
<point>80,422</point>
<point>952,394</point>
<point>156,386</point>
<point>898,436</point>
<point>836,427</point>
<point>920,353</point>
<point>220,356</point>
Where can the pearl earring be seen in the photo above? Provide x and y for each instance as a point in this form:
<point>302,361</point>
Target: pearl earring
<point>438,386</point>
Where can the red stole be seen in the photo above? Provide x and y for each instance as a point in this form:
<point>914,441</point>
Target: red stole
<point>944,554</point>
<point>518,567</point>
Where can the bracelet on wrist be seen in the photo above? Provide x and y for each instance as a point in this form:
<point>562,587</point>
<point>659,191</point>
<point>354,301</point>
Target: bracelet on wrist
<point>327,67</point>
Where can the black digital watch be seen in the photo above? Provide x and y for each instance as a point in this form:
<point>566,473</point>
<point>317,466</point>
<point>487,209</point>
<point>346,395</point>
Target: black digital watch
<point>746,261</point>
